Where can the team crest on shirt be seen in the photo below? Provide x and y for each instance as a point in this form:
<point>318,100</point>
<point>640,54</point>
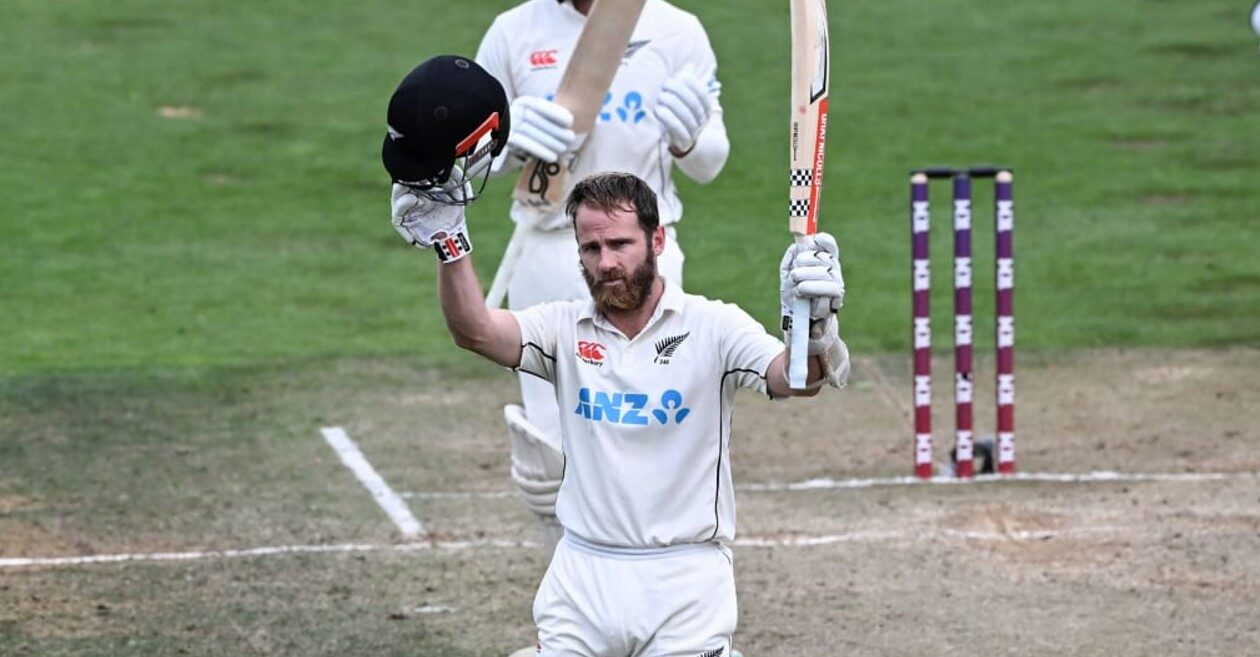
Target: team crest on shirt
<point>666,347</point>
<point>633,47</point>
<point>591,352</point>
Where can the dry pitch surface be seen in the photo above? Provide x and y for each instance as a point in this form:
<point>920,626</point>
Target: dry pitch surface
<point>1166,564</point>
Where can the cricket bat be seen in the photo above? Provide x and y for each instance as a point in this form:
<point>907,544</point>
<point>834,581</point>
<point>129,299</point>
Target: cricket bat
<point>585,82</point>
<point>807,136</point>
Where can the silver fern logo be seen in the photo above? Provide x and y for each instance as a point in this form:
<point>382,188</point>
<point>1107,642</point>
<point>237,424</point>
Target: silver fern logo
<point>633,47</point>
<point>666,347</point>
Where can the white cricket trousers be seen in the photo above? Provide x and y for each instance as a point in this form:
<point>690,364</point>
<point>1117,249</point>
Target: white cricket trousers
<point>597,601</point>
<point>549,270</point>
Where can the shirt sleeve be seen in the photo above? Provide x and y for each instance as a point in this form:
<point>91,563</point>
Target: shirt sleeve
<point>539,339</point>
<point>746,348</point>
<point>708,155</point>
<point>700,53</point>
<point>494,55</point>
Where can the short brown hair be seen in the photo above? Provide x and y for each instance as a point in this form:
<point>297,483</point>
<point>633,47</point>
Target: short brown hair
<point>615,191</point>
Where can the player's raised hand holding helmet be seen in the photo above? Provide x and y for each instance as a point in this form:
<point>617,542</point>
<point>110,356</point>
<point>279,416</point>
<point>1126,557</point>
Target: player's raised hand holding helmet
<point>425,221</point>
<point>543,130</point>
<point>811,270</point>
<point>683,108</point>
<point>447,120</point>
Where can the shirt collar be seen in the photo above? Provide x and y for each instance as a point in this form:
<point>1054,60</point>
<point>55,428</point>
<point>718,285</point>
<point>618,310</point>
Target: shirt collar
<point>672,299</point>
<point>569,11</point>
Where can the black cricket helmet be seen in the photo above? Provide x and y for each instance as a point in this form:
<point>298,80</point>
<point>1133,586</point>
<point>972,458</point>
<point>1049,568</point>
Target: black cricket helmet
<point>447,121</point>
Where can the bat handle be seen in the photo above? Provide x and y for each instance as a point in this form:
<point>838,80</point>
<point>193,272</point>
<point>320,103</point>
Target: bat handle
<point>798,367</point>
<point>507,267</point>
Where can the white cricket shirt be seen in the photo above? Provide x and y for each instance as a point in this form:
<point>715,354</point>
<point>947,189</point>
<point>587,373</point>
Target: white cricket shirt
<point>527,49</point>
<point>646,422</point>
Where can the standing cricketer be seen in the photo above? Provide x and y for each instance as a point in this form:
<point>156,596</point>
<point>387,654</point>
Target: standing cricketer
<point>646,373</point>
<point>661,112</point>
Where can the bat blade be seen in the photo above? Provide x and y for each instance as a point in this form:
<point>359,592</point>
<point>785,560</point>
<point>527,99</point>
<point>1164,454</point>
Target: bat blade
<point>807,138</point>
<point>587,77</point>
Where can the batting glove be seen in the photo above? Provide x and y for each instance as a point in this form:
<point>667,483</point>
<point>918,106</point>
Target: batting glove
<point>425,221</point>
<point>540,129</point>
<point>683,108</point>
<point>811,270</point>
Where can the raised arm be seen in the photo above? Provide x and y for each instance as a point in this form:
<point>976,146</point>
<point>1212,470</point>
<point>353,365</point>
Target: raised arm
<point>491,332</point>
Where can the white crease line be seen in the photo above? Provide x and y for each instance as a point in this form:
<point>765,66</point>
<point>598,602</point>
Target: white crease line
<point>1019,535</point>
<point>456,546</point>
<point>924,534</point>
<point>433,609</point>
<point>810,541</point>
<point>1101,476</point>
<point>393,505</point>
<point>796,541</point>
<point>827,483</point>
<point>258,552</point>
<point>445,495</point>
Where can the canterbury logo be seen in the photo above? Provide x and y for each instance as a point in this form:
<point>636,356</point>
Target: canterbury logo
<point>591,352</point>
<point>540,58</point>
<point>394,135</point>
<point>665,348</point>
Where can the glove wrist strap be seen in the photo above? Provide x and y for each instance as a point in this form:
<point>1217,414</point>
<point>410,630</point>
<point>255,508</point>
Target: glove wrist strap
<point>453,247</point>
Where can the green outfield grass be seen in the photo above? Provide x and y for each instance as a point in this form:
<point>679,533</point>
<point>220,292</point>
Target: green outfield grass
<point>197,273</point>
<point>252,226</point>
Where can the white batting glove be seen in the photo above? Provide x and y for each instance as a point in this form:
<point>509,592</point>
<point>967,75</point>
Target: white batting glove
<point>540,129</point>
<point>424,221</point>
<point>683,108</point>
<point>812,270</point>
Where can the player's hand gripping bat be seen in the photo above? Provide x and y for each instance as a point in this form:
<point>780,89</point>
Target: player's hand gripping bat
<point>585,82</point>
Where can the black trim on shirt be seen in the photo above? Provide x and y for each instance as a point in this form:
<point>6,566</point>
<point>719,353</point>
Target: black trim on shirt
<point>544,354</point>
<point>540,350</point>
<point>717,475</point>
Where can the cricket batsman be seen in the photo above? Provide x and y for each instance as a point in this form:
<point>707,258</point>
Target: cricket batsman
<point>645,373</point>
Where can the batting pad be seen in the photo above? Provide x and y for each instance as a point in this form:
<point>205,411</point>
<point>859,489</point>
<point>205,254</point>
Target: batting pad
<point>536,467</point>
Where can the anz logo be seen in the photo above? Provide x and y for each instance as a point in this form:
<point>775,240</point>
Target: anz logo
<point>628,109</point>
<point>631,407</point>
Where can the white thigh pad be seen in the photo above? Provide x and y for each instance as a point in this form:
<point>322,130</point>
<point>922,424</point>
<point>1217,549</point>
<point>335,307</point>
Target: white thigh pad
<point>536,466</point>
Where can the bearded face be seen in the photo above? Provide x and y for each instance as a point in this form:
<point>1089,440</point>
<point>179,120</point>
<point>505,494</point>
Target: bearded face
<point>618,290</point>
